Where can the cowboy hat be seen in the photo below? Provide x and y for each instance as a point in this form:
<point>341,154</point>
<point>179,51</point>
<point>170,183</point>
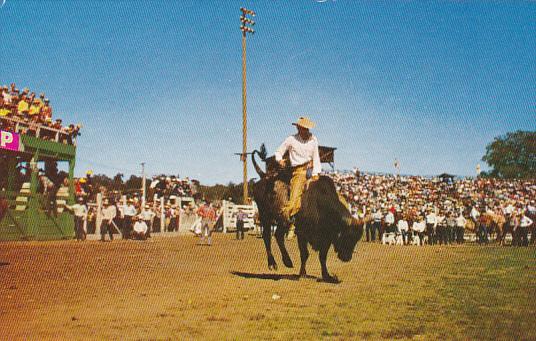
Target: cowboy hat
<point>304,122</point>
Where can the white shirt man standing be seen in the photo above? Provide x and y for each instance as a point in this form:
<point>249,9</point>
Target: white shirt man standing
<point>460,228</point>
<point>108,215</point>
<point>129,212</point>
<point>80,215</point>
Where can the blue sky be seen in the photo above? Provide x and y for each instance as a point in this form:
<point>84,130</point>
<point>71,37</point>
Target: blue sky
<point>427,82</point>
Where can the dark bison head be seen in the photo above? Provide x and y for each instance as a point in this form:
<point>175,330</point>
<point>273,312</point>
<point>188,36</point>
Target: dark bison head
<point>324,219</point>
<point>346,240</point>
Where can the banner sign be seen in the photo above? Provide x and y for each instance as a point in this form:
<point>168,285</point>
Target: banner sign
<point>9,140</point>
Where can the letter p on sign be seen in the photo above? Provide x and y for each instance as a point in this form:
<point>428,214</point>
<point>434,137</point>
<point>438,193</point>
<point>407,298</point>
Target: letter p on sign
<point>6,138</point>
<point>9,140</point>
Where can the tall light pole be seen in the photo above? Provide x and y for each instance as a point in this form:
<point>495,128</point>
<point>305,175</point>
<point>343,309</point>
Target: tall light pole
<point>244,22</point>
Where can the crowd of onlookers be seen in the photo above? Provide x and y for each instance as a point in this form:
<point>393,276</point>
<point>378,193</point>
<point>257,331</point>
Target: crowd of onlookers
<point>34,112</point>
<point>135,218</point>
<point>439,209</point>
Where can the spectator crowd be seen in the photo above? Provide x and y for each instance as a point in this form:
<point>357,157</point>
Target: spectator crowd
<point>127,213</point>
<point>439,209</point>
<point>33,112</point>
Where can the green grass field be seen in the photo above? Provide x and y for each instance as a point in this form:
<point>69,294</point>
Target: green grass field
<point>170,288</point>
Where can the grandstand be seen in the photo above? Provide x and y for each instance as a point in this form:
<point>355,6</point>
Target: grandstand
<point>25,144</point>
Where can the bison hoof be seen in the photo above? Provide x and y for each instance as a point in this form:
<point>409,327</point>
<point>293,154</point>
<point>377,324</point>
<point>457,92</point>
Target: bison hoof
<point>330,279</point>
<point>272,265</point>
<point>288,262</point>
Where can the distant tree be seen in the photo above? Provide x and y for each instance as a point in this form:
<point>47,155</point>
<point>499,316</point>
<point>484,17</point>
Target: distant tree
<point>102,180</point>
<point>231,191</point>
<point>117,182</point>
<point>133,183</point>
<point>512,155</point>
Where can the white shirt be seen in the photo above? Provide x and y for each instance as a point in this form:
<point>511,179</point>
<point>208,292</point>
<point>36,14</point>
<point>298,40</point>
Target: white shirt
<point>129,210</point>
<point>79,210</point>
<point>460,221</point>
<point>475,214</point>
<point>300,152</point>
<point>389,218</point>
<point>147,214</point>
<point>402,225</point>
<point>140,227</point>
<point>7,97</point>
<point>377,216</point>
<point>419,226</point>
<point>431,219</point>
<point>109,213</point>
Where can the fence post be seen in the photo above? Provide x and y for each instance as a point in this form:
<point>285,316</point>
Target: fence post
<point>224,212</point>
<point>162,215</point>
<point>98,218</point>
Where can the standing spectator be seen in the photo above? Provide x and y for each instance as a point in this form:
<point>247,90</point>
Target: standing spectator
<point>208,218</point>
<point>460,228</point>
<point>80,214</point>
<point>483,228</point>
<point>240,218</point>
<point>108,214</point>
<point>515,222</point>
<point>173,219</point>
<point>403,228</point>
<point>129,212</point>
<point>376,225</point>
<point>419,226</point>
<point>451,228</point>
<point>475,217</point>
<point>524,226</point>
<point>157,219</point>
<point>441,230</point>
<point>431,224</point>
<point>531,213</point>
<point>147,215</point>
<point>389,222</point>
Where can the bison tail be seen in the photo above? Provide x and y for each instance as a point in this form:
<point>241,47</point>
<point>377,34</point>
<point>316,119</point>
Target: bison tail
<point>261,173</point>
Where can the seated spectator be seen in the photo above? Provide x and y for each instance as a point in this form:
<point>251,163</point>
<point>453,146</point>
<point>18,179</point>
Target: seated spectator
<point>35,110</point>
<point>139,230</point>
<point>46,112</point>
<point>6,95</point>
<point>23,107</point>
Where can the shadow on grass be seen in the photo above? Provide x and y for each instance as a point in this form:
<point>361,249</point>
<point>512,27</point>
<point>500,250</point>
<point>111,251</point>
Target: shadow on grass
<point>272,277</point>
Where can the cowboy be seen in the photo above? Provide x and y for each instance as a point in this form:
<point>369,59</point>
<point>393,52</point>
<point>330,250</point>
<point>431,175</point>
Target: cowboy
<point>304,159</point>
<point>109,213</point>
<point>79,211</point>
<point>129,211</point>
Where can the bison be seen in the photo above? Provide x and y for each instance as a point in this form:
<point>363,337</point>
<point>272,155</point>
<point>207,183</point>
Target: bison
<point>321,222</point>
